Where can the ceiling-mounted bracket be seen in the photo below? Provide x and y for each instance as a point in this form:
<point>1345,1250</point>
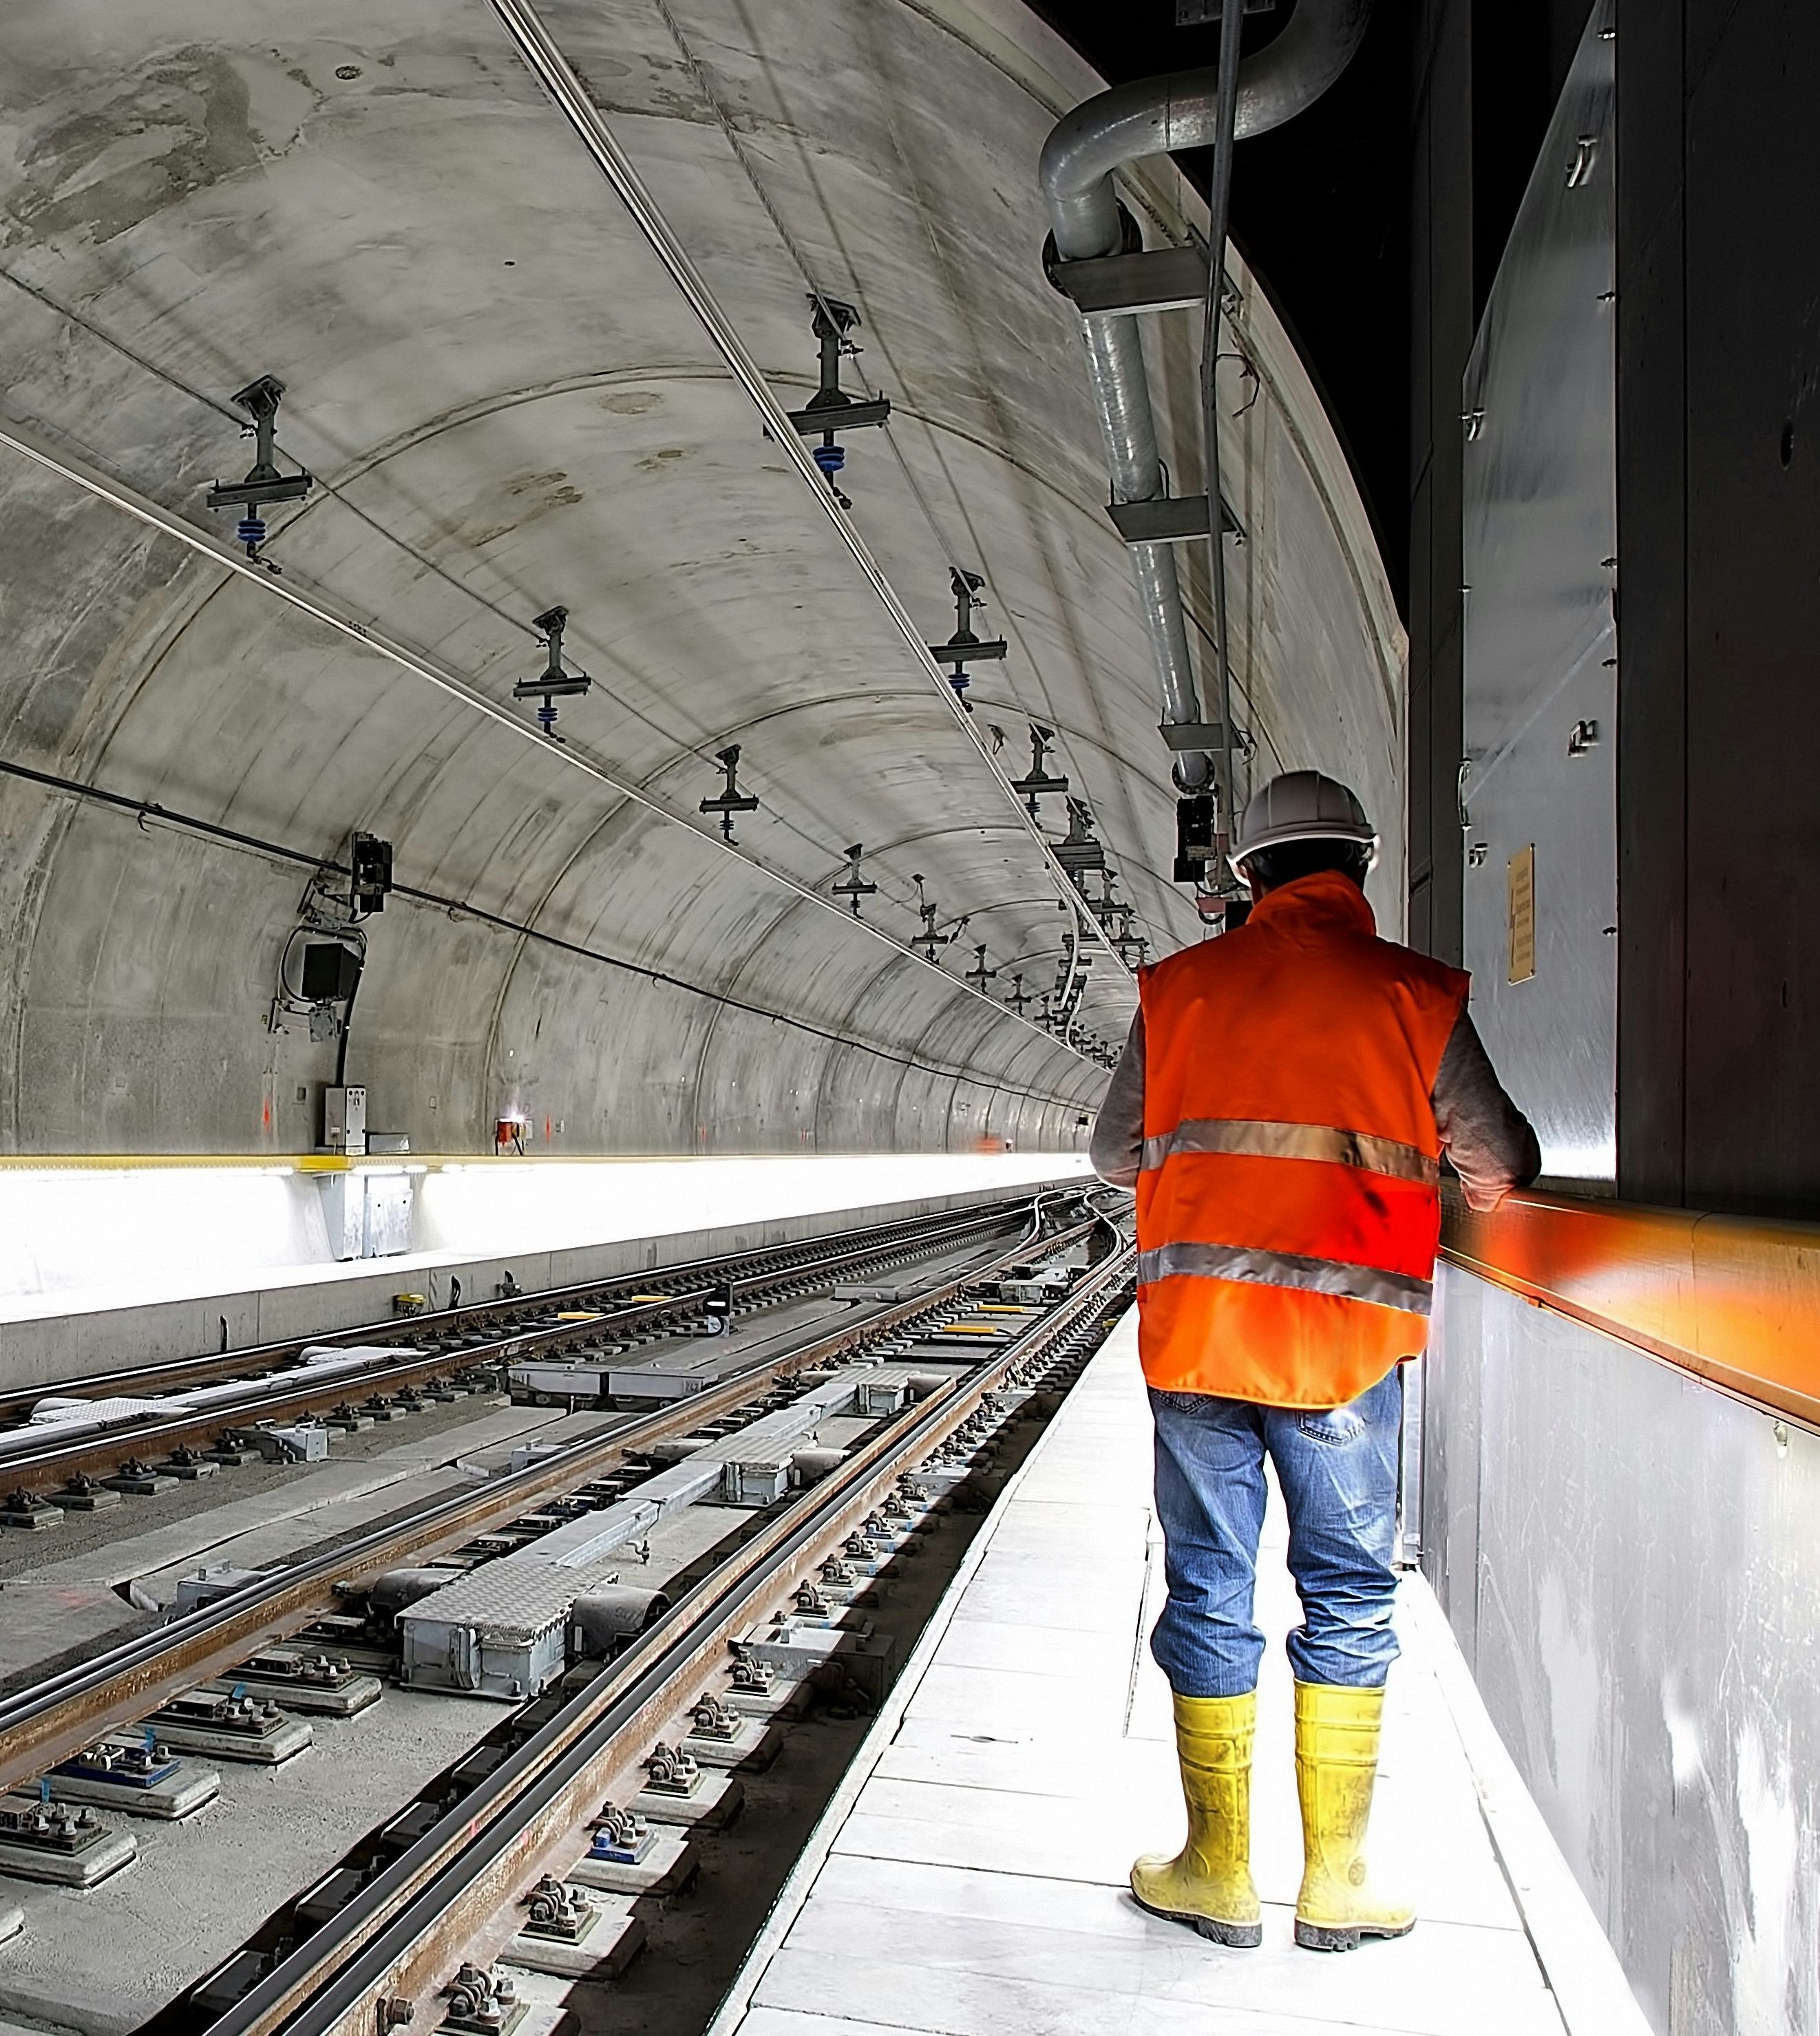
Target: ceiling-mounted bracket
<point>1163,279</point>
<point>1171,519</point>
<point>965,647</point>
<point>1078,851</point>
<point>1184,736</point>
<point>730,800</point>
<point>852,886</point>
<point>1197,13</point>
<point>1039,783</point>
<point>264,484</point>
<point>830,409</point>
<point>553,684</point>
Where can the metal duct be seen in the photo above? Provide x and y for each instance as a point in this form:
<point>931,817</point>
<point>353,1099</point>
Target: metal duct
<point>1156,116</point>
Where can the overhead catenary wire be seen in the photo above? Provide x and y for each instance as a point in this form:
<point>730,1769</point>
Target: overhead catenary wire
<point>142,810</point>
<point>290,589</point>
<point>177,380</point>
<point>544,59</point>
<point>703,749</point>
<point>711,98</point>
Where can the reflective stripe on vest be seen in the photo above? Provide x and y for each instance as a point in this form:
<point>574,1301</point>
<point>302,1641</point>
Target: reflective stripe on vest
<point>1261,1140</point>
<point>1282,1269</point>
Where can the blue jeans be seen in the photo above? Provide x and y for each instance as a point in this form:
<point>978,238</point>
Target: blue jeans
<point>1337,1468</point>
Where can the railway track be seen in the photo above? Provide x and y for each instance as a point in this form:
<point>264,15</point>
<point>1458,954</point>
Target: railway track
<point>62,1715</point>
<point>455,1899</point>
<point>140,1414</point>
<point>453,1894</point>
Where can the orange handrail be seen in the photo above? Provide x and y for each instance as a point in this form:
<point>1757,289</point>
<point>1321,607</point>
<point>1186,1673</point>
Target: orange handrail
<point>1735,1300</point>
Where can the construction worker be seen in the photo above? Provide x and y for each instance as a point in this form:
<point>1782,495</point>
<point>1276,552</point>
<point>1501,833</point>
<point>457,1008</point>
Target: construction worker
<point>1281,1109</point>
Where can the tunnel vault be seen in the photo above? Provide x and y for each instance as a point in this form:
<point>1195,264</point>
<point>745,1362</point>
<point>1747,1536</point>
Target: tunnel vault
<point>506,404</point>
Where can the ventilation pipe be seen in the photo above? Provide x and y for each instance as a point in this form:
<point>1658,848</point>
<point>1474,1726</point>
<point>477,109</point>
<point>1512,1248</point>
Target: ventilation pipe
<point>1153,117</point>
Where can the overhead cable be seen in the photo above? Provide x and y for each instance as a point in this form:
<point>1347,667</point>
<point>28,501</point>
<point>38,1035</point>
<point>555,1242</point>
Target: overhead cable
<point>170,377</point>
<point>544,59</point>
<point>704,85</point>
<point>143,810</point>
<point>322,608</point>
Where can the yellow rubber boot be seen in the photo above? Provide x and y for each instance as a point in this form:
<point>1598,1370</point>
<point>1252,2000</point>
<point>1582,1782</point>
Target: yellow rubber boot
<point>1208,1884</point>
<point>1336,1732</point>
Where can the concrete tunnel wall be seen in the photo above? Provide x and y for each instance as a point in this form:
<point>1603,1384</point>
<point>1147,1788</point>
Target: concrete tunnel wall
<point>513,407</point>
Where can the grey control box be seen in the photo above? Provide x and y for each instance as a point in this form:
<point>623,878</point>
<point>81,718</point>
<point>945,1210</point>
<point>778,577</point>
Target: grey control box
<point>345,1120</point>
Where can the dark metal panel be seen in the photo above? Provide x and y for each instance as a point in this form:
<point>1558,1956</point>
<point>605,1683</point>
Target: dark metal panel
<point>1442,267</point>
<point>1653,621</point>
<point>1753,497</point>
<point>1540,534</point>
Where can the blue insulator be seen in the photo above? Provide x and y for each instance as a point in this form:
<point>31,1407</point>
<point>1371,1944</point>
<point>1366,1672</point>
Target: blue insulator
<point>547,717</point>
<point>830,459</point>
<point>251,533</point>
<point>960,681</point>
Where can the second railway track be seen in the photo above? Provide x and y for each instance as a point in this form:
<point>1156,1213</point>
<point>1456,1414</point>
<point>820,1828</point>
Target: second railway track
<point>109,1419</point>
<point>950,1352</point>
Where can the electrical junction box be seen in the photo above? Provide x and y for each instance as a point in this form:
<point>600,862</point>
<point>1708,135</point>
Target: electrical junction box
<point>761,1483</point>
<point>304,1442</point>
<point>368,1215</point>
<point>345,1120</point>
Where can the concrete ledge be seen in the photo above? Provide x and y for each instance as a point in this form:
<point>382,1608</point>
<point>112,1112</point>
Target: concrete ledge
<point>52,1339</point>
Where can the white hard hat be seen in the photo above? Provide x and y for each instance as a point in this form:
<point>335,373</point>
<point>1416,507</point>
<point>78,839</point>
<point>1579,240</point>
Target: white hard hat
<point>1302,805</point>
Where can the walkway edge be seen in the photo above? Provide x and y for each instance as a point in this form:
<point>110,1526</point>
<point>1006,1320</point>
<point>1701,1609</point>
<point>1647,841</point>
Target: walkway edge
<point>1582,1970</point>
<point>795,1890</point>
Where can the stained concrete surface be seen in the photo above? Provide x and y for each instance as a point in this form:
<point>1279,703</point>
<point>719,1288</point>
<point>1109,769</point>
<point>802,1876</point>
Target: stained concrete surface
<point>56,1587</point>
<point>102,1961</point>
<point>513,406</point>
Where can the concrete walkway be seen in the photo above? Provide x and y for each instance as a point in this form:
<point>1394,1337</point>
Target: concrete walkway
<point>971,1877</point>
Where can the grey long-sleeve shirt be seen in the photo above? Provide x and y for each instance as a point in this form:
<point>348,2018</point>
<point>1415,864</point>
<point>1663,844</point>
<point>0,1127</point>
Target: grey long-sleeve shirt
<point>1492,1145</point>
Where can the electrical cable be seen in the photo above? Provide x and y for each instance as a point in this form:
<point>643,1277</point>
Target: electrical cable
<point>30,442</point>
<point>547,61</point>
<point>711,98</point>
<point>348,1021</point>
<point>174,380</point>
<point>144,809</point>
<point>702,750</point>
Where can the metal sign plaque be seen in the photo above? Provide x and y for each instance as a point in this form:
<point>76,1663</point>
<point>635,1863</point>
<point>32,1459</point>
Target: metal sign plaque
<point>1522,914</point>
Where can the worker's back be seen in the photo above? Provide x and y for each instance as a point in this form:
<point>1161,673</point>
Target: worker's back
<point>1288,1207</point>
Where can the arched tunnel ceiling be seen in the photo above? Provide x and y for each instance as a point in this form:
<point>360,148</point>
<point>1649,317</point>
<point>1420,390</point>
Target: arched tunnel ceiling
<point>510,405</point>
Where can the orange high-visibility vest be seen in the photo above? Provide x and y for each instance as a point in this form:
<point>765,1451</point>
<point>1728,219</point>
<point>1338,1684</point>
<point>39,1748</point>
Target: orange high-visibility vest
<point>1288,1206</point>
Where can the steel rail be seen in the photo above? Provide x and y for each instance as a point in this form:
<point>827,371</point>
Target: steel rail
<point>399,1935</point>
<point>543,56</point>
<point>62,1713</point>
<point>477,1316</point>
<point>293,1392</point>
